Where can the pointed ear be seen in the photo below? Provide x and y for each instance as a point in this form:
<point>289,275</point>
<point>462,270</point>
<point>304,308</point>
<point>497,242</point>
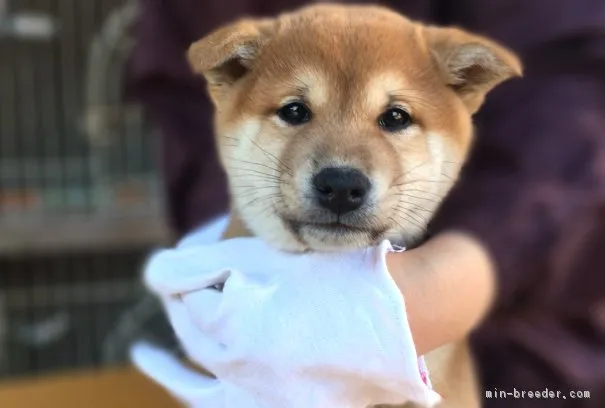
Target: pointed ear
<point>227,54</point>
<point>471,65</point>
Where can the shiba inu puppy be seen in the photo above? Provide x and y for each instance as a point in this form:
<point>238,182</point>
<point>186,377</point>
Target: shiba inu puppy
<point>341,126</point>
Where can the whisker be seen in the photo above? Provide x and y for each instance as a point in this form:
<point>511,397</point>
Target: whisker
<point>255,164</point>
<point>246,190</point>
<point>414,206</point>
<point>255,173</point>
<point>271,206</point>
<point>409,212</point>
<point>404,194</point>
<point>255,179</point>
<point>422,192</point>
<point>272,156</point>
<point>448,176</point>
<point>413,222</point>
<point>407,172</point>
<point>258,172</point>
<point>261,199</point>
<point>424,220</point>
<point>406,183</point>
<point>401,227</point>
<point>277,170</point>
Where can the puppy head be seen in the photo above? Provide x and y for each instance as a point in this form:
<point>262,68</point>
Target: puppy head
<point>340,126</point>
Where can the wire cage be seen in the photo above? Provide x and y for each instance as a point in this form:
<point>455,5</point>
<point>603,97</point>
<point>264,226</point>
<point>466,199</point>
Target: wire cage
<point>78,310</point>
<point>80,196</point>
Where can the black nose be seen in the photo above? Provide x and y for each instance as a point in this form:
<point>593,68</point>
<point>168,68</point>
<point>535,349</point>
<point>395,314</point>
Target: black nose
<point>341,189</point>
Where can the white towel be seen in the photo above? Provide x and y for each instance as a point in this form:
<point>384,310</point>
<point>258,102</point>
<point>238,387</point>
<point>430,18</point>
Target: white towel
<point>287,331</point>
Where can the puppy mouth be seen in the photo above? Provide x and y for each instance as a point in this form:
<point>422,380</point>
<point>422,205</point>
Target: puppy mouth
<point>336,229</point>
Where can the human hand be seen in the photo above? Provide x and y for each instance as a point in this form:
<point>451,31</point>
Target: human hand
<point>308,330</point>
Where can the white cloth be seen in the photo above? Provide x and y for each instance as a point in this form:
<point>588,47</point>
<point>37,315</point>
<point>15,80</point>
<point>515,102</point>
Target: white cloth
<point>286,331</point>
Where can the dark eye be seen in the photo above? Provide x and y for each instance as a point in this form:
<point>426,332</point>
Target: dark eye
<point>295,113</point>
<point>394,120</point>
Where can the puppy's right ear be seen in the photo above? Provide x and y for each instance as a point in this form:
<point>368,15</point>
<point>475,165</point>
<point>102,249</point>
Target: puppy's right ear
<point>228,53</point>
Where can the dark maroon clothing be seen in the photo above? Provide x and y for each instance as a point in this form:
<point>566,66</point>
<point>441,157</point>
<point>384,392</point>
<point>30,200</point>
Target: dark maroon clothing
<point>533,191</point>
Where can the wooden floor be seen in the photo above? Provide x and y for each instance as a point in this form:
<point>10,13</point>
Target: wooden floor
<point>118,388</point>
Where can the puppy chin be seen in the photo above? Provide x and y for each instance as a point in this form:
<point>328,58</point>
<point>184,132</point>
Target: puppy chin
<point>330,240</point>
<point>408,239</point>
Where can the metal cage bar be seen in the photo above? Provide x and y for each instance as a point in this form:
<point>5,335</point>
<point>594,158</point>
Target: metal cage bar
<point>74,156</point>
<point>80,197</point>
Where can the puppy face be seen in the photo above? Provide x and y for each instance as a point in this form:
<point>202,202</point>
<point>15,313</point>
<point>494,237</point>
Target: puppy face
<point>340,126</point>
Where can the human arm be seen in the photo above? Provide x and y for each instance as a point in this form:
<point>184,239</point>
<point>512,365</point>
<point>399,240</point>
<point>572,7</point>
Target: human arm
<point>448,285</point>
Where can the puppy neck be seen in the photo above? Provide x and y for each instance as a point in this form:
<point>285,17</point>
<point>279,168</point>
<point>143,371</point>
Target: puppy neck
<point>237,227</point>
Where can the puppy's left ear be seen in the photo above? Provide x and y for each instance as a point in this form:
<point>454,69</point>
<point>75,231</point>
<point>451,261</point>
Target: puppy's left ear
<point>227,54</point>
<point>470,64</point>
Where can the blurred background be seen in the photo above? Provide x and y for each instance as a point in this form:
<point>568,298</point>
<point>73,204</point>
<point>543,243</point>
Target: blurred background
<point>80,196</point>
